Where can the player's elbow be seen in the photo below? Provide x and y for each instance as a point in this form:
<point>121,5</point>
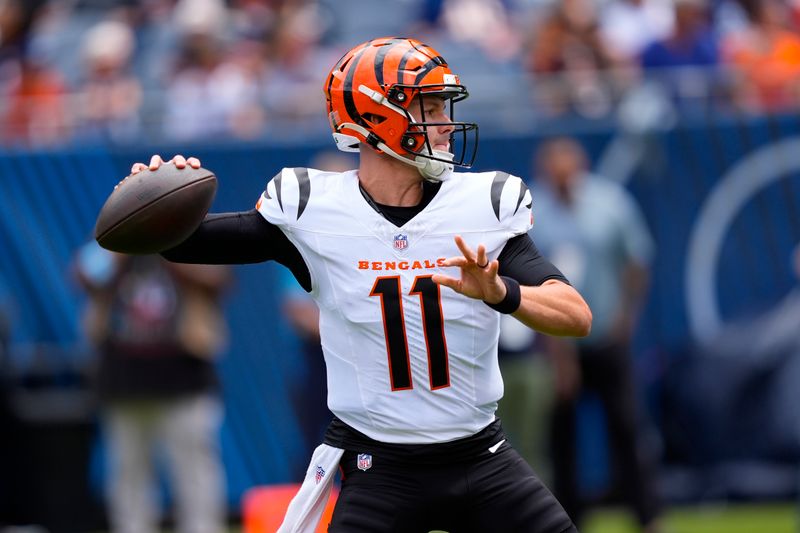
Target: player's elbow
<point>577,312</point>
<point>583,321</point>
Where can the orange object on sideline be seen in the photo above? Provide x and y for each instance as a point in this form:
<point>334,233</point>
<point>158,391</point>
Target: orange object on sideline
<point>263,507</point>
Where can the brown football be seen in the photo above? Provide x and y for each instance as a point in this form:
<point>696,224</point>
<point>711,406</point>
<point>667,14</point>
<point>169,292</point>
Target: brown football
<point>154,210</point>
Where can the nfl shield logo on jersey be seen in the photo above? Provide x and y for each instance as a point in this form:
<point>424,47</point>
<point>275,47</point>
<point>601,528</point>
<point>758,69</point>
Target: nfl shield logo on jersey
<point>319,474</point>
<point>400,242</point>
<point>364,461</point>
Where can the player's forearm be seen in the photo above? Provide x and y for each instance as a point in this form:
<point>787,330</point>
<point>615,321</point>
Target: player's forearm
<point>554,308</point>
<point>228,238</point>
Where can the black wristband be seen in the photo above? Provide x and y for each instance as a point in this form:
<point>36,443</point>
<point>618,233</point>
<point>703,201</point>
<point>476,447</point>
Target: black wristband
<point>513,297</point>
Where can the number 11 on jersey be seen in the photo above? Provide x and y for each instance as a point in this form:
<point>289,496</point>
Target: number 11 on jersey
<point>394,327</point>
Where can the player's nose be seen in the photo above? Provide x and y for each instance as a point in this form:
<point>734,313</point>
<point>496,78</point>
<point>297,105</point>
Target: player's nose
<point>447,125</point>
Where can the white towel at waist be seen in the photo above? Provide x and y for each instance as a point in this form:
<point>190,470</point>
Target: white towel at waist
<point>307,506</point>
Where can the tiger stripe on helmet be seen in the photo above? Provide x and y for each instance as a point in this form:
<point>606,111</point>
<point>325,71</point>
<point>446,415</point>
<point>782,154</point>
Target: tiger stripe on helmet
<point>380,57</point>
<point>427,67</point>
<point>349,100</point>
<point>401,67</point>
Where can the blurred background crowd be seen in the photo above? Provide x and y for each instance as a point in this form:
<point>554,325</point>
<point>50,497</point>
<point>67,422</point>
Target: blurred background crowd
<point>661,140</point>
<point>82,70</point>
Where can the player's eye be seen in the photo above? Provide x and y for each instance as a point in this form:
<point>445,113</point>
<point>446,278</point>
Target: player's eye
<point>433,110</point>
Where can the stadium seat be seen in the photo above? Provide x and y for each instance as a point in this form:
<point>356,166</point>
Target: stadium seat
<point>263,507</point>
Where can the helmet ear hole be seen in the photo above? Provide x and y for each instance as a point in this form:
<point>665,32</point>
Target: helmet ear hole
<point>373,118</point>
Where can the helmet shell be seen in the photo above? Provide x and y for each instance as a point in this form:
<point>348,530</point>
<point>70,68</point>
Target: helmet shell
<point>370,89</point>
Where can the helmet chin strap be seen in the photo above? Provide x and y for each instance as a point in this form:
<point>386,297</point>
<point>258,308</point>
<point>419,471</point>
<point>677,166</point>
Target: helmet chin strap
<point>430,169</point>
<point>434,170</point>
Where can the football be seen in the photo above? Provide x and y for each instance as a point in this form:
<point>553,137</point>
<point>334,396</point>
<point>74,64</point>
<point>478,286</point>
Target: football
<point>154,210</point>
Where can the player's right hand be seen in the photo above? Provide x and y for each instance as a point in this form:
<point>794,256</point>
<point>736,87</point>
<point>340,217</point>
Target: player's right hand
<point>178,160</point>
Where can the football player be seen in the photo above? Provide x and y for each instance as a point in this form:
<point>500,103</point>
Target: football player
<point>411,264</point>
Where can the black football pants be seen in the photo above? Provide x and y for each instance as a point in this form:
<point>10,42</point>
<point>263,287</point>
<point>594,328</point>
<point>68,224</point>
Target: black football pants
<point>491,492</point>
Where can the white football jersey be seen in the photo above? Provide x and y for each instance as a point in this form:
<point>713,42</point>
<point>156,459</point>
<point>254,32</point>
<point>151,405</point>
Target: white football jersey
<point>408,361</point>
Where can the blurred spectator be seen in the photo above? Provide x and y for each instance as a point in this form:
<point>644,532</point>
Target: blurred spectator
<point>238,85</point>
<point>35,107</point>
<point>12,28</point>
<point>596,235</point>
<point>110,94</point>
<point>628,26</point>
<point>299,64</point>
<point>692,43</point>
<point>195,106</point>
<point>486,24</point>
<point>567,49</point>
<point>343,29</point>
<point>158,327</point>
<point>16,19</point>
<point>248,69</point>
<point>254,19</point>
<point>765,58</point>
<point>527,394</point>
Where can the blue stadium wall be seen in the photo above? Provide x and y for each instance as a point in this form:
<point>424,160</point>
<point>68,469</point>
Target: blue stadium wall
<point>49,199</point>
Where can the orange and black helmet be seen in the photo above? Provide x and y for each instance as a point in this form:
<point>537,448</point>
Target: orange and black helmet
<point>369,92</point>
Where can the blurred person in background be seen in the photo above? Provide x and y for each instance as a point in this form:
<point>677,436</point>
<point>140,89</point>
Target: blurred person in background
<point>628,26</point>
<point>240,80</point>
<point>692,43</point>
<point>298,64</point>
<point>157,328</point>
<point>596,234</point>
<point>109,92</point>
<point>13,27</point>
<point>36,105</point>
<point>196,106</point>
<point>16,19</point>
<point>568,59</point>
<point>527,394</point>
<point>488,25</point>
<point>765,58</point>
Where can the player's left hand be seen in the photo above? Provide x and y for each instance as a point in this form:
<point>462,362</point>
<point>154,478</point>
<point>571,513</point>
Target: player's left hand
<point>479,277</point>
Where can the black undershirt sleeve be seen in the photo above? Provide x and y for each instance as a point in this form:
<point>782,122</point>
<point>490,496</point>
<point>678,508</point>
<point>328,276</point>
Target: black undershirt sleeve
<point>240,238</point>
<point>521,260</point>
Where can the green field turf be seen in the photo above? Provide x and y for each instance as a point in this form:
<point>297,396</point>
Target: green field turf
<point>767,518</point>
